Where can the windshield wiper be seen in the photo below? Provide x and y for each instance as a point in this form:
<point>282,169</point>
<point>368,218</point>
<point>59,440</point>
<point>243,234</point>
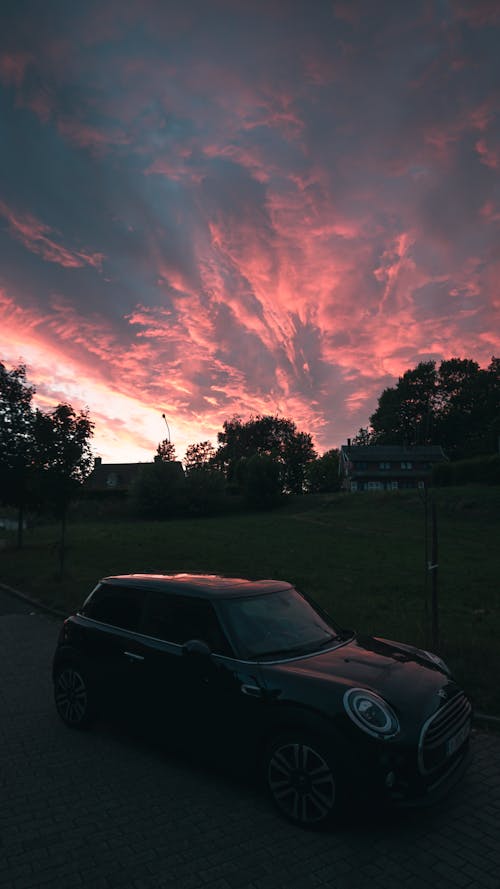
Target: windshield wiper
<point>279,652</point>
<point>307,648</point>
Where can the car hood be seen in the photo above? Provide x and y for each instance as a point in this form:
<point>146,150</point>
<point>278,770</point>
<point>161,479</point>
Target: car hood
<point>399,673</point>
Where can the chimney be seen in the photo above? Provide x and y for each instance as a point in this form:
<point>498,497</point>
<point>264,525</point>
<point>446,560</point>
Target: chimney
<point>348,442</point>
<point>97,462</point>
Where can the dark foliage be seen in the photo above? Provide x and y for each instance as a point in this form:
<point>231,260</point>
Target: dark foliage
<point>456,406</point>
<point>158,491</point>
<point>44,457</point>
<point>323,473</point>
<point>265,436</point>
<point>165,451</point>
<point>199,456</point>
<point>260,481</point>
<point>479,470</point>
<point>16,440</point>
<point>205,491</point>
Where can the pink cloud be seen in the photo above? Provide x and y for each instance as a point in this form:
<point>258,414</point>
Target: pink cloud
<point>36,237</point>
<point>84,135</point>
<point>13,67</point>
<point>489,156</point>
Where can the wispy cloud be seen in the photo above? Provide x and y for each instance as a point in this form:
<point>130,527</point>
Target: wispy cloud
<point>39,238</point>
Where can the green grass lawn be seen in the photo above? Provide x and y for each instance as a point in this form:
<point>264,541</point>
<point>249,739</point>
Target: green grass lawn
<point>361,556</point>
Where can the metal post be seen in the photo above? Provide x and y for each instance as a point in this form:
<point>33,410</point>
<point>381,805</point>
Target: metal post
<point>166,424</point>
<point>433,568</point>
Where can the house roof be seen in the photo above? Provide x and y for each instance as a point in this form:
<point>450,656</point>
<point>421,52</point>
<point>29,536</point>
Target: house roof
<point>389,453</point>
<point>118,476</point>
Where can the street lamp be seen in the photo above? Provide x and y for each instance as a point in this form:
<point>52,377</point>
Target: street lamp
<point>166,424</point>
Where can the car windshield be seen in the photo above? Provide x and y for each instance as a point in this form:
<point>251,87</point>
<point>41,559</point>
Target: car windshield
<point>276,625</point>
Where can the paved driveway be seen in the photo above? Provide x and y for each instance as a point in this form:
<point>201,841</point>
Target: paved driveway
<point>105,809</point>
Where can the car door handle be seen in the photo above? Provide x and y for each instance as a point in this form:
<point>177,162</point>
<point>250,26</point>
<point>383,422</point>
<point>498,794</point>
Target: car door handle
<point>135,657</point>
<point>252,690</point>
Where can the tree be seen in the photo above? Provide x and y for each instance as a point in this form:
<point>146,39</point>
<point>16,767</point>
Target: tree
<point>323,473</point>
<point>44,457</point>
<point>205,491</point>
<point>456,406</point>
<point>266,436</point>
<point>158,491</point>
<point>199,456</point>
<point>406,412</point>
<point>260,481</point>
<point>166,451</point>
<point>364,436</point>
<point>469,407</point>
<point>63,459</point>
<point>16,440</point>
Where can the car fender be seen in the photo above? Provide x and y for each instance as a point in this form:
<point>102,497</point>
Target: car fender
<point>305,720</point>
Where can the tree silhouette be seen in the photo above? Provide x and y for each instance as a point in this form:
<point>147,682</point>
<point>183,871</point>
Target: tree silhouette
<point>456,405</point>
<point>266,436</point>
<point>165,451</point>
<point>16,440</point>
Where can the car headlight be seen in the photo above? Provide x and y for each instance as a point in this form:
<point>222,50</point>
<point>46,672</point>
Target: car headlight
<point>437,660</point>
<point>371,713</point>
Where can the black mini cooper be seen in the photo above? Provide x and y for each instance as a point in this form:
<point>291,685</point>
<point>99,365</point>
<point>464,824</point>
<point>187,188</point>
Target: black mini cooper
<point>257,668</point>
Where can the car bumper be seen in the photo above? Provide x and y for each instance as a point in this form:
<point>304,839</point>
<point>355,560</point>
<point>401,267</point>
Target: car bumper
<point>437,788</point>
<point>393,778</point>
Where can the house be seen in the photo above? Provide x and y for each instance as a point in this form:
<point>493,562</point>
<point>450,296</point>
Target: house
<point>117,477</point>
<point>387,467</point>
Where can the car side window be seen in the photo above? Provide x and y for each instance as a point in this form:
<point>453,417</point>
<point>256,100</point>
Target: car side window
<point>181,618</point>
<point>117,606</point>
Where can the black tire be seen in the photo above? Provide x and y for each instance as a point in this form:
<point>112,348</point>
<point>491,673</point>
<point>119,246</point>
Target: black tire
<point>74,700</point>
<point>301,779</point>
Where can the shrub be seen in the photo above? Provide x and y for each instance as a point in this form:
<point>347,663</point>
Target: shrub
<point>479,470</point>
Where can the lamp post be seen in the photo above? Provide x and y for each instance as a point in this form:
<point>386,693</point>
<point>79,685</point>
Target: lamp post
<point>166,424</point>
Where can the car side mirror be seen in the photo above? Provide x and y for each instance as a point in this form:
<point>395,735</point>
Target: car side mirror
<point>196,648</point>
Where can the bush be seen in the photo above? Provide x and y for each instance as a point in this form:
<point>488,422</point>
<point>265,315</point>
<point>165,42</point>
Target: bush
<point>261,482</point>
<point>479,470</point>
<point>159,491</point>
<point>205,491</point>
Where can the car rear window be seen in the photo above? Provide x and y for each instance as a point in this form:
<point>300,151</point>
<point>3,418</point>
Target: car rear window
<point>118,606</point>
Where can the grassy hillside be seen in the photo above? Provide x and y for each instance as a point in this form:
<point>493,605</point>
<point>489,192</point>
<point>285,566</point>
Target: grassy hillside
<point>361,556</point>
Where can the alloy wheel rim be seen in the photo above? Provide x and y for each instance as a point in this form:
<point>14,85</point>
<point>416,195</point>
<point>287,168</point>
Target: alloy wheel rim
<point>301,783</point>
<point>71,696</point>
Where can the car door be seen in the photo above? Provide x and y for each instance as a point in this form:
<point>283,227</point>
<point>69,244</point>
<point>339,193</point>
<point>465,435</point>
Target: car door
<point>204,699</point>
<point>109,644</point>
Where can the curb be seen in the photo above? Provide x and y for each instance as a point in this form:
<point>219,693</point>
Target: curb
<point>31,601</point>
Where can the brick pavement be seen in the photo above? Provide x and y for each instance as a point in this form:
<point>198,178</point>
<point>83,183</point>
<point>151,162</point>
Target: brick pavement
<point>104,809</point>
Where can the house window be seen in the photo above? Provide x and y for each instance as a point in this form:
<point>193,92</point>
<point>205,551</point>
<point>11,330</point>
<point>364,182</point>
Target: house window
<point>384,465</point>
<point>374,486</point>
<point>392,486</point>
<point>354,486</point>
<point>405,464</point>
<point>360,464</point>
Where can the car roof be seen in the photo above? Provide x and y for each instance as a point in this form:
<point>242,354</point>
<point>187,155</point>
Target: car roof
<point>209,586</point>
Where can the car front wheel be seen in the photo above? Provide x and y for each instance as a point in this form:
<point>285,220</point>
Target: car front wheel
<point>300,778</point>
<point>73,698</point>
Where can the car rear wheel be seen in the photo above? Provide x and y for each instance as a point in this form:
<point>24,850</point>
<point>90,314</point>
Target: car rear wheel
<point>301,780</point>
<point>73,698</point>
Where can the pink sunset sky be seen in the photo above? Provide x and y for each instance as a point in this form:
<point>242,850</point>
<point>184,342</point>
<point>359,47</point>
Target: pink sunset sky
<point>240,207</point>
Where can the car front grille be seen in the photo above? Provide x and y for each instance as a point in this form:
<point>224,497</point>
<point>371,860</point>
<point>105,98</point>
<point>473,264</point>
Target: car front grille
<point>442,727</point>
